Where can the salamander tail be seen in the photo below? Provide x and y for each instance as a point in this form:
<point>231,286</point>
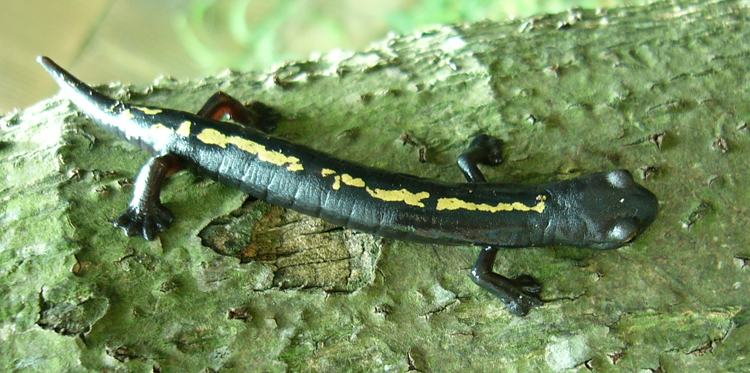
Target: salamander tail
<point>85,97</point>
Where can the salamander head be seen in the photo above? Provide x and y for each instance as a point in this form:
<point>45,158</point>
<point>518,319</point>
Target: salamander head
<point>603,211</point>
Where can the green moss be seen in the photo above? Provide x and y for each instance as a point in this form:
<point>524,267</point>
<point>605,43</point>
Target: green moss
<point>637,88</point>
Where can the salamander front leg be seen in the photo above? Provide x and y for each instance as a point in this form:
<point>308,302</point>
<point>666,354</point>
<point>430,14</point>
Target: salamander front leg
<point>256,114</point>
<point>146,216</point>
<point>484,150</point>
<point>520,294</point>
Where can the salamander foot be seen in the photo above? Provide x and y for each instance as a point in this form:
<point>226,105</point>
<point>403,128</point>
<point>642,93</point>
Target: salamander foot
<point>520,294</point>
<point>484,150</point>
<point>145,222</point>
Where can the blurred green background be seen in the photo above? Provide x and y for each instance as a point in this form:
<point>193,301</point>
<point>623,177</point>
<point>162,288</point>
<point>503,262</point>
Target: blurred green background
<point>136,41</point>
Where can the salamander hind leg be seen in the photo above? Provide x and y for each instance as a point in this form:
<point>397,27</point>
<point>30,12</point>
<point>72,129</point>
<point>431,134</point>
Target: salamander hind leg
<point>520,295</point>
<point>146,216</point>
<point>484,150</point>
<point>261,116</point>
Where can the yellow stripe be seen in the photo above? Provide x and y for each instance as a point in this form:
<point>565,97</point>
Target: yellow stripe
<point>401,195</point>
<point>455,204</point>
<point>147,111</point>
<point>214,137</point>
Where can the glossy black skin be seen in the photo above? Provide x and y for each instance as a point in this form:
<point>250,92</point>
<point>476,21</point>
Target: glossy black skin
<point>599,211</point>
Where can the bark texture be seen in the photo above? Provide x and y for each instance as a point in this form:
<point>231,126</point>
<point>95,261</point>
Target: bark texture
<point>660,89</point>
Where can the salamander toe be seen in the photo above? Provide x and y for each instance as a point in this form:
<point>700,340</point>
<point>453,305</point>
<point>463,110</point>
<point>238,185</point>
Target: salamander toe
<point>145,222</point>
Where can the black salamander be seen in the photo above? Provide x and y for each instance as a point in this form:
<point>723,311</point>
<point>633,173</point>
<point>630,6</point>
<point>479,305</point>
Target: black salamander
<point>600,211</point>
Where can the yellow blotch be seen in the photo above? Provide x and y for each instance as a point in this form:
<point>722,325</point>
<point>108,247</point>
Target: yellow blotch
<point>355,182</point>
<point>161,130</point>
<point>296,166</point>
<point>147,111</point>
<point>336,182</point>
<point>401,195</point>
<point>184,128</point>
<point>455,204</point>
<point>327,172</point>
<point>214,137</point>
<point>127,115</point>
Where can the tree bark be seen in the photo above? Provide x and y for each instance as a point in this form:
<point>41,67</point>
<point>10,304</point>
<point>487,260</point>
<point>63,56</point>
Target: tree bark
<point>659,89</point>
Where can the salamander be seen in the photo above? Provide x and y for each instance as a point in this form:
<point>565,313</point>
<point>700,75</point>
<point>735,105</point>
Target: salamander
<point>602,211</point>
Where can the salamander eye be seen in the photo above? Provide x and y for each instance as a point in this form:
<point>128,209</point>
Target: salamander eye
<point>624,230</point>
<point>619,178</point>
